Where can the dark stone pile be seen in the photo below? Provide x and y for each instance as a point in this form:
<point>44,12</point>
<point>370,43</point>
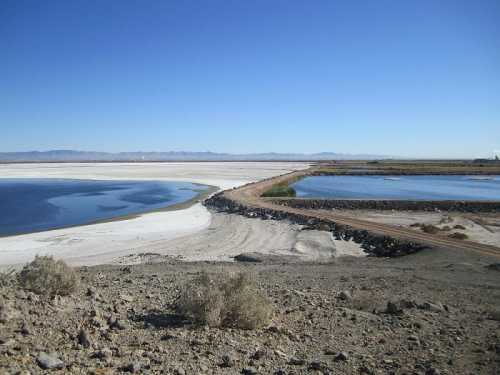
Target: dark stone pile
<point>373,244</point>
<point>457,206</point>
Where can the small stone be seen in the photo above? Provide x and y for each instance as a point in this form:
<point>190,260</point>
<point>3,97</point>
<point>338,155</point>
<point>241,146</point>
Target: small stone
<point>179,371</point>
<point>49,361</point>
<point>341,356</point>
<point>133,368</point>
<point>432,371</point>
<point>434,307</point>
<point>249,371</point>
<point>260,353</point>
<point>21,294</point>
<point>103,353</point>
<point>26,329</point>
<point>393,308</point>
<point>316,365</point>
<point>297,361</point>
<point>118,324</point>
<point>345,295</point>
<point>7,341</point>
<point>84,339</point>
<point>228,360</point>
<point>127,297</point>
<point>494,315</point>
<point>494,266</point>
<point>366,370</point>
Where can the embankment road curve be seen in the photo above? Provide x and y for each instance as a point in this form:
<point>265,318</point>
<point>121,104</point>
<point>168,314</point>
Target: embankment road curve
<point>250,196</point>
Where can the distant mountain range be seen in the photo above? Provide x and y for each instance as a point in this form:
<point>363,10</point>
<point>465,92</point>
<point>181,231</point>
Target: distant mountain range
<point>80,156</point>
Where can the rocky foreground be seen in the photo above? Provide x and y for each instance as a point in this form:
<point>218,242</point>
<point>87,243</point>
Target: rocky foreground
<point>425,313</point>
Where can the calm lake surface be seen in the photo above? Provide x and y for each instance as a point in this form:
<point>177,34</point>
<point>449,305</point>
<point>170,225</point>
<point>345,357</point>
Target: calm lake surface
<point>29,205</point>
<point>400,187</point>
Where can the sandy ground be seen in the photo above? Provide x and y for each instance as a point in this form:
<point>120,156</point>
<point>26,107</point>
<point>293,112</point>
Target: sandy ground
<point>229,235</point>
<point>480,227</point>
<point>157,232</point>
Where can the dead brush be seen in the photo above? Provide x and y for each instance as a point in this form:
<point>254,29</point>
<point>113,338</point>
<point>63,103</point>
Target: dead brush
<point>6,277</point>
<point>220,300</point>
<point>47,276</point>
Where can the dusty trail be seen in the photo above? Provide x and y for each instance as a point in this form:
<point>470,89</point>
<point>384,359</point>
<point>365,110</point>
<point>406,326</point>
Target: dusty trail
<point>249,195</point>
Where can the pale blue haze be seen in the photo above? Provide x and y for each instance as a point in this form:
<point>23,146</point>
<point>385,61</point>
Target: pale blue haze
<point>409,78</point>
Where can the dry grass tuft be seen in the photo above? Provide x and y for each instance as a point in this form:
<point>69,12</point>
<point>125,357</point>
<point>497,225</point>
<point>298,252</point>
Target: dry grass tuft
<point>47,276</point>
<point>221,300</point>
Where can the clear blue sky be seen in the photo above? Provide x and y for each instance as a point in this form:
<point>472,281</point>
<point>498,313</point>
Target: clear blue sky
<point>411,78</point>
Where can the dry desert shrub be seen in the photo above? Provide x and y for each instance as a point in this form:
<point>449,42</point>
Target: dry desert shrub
<point>429,228</point>
<point>221,300</point>
<point>458,236</point>
<point>47,276</point>
<point>6,277</point>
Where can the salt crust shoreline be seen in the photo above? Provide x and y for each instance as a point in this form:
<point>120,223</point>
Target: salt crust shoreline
<point>106,242</point>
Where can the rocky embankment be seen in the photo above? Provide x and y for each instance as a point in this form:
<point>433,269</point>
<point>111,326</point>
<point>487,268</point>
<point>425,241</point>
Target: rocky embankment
<point>362,316</point>
<point>429,206</point>
<point>372,244</point>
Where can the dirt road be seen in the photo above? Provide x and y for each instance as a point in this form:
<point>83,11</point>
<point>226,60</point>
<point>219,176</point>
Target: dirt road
<point>250,195</point>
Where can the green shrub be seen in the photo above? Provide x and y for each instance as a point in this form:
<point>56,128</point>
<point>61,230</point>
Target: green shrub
<point>219,300</point>
<point>458,236</point>
<point>459,227</point>
<point>47,276</point>
<point>280,191</point>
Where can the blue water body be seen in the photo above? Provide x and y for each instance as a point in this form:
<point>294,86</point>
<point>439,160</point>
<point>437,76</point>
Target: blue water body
<point>30,205</point>
<point>463,188</point>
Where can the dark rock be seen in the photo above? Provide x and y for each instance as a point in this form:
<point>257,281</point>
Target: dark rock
<point>117,324</point>
<point>434,307</point>
<point>259,354</point>
<point>432,371</point>
<point>133,368</point>
<point>103,353</point>
<point>394,308</point>
<point>249,371</point>
<point>249,257</point>
<point>341,356</point>
<point>228,360</point>
<point>297,361</point>
<point>84,339</point>
<point>26,329</point>
<point>316,365</point>
<point>493,266</point>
